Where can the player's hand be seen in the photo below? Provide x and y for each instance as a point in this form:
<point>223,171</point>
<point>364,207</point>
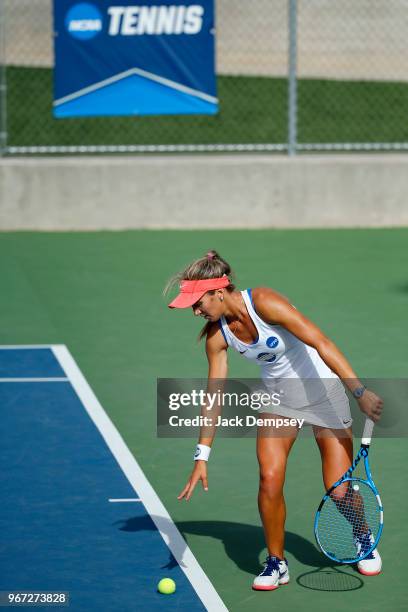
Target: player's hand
<point>199,473</point>
<point>371,405</point>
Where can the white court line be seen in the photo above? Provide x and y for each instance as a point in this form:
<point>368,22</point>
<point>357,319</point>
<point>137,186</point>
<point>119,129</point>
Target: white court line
<point>125,500</point>
<point>6,380</point>
<point>9,347</point>
<point>158,513</point>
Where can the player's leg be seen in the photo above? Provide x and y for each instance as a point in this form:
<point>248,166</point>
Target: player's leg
<point>336,450</point>
<point>272,453</point>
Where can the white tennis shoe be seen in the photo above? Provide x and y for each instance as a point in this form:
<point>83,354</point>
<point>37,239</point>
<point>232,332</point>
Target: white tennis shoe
<point>275,573</point>
<point>371,565</point>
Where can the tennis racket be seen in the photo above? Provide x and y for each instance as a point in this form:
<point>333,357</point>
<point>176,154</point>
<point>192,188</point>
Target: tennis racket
<point>349,519</point>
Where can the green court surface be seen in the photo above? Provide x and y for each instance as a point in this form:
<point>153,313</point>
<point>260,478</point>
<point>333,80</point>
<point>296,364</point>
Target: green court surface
<point>100,294</point>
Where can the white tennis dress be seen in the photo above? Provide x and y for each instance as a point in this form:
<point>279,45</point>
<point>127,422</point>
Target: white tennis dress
<point>307,387</point>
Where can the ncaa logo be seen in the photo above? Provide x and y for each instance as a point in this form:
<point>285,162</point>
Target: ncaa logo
<point>268,357</point>
<point>272,342</point>
<point>83,21</point>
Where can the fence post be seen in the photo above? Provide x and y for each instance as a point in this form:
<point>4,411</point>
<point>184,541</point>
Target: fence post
<point>3,81</point>
<point>292,80</point>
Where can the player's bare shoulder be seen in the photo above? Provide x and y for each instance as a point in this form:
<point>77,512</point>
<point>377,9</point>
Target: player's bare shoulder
<point>266,294</point>
<point>268,302</point>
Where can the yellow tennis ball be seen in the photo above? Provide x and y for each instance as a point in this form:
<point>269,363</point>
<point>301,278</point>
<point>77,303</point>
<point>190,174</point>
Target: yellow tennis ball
<point>167,586</point>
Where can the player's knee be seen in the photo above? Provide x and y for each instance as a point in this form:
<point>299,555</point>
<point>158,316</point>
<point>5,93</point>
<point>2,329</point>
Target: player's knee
<point>340,495</point>
<point>337,496</point>
<point>271,481</point>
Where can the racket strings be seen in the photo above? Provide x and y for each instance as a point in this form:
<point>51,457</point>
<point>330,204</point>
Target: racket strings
<point>349,521</point>
<point>351,506</point>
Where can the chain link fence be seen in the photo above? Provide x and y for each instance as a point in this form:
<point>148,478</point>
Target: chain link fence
<point>292,75</point>
<point>352,74</point>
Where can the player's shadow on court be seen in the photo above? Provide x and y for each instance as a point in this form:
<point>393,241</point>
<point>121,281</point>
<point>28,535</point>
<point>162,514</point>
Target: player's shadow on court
<point>242,543</point>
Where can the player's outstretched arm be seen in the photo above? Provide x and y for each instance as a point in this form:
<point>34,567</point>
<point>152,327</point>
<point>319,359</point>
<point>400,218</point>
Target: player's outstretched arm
<point>216,349</point>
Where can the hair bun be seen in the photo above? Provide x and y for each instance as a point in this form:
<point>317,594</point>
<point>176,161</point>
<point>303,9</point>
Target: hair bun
<point>211,255</point>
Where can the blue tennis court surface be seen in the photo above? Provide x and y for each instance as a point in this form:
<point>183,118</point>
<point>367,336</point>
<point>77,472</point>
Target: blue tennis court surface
<point>71,519</point>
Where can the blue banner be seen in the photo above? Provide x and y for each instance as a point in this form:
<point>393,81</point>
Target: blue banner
<point>156,58</point>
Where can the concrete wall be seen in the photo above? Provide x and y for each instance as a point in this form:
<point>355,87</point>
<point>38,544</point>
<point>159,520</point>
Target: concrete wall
<point>220,191</point>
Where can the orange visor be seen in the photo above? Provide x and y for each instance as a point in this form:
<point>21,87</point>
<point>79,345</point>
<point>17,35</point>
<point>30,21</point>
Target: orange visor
<point>192,290</point>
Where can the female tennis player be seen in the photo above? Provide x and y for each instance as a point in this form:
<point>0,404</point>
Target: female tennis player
<point>264,327</point>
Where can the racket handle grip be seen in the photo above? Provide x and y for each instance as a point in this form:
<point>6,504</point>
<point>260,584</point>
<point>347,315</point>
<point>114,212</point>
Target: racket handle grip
<point>368,431</point>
